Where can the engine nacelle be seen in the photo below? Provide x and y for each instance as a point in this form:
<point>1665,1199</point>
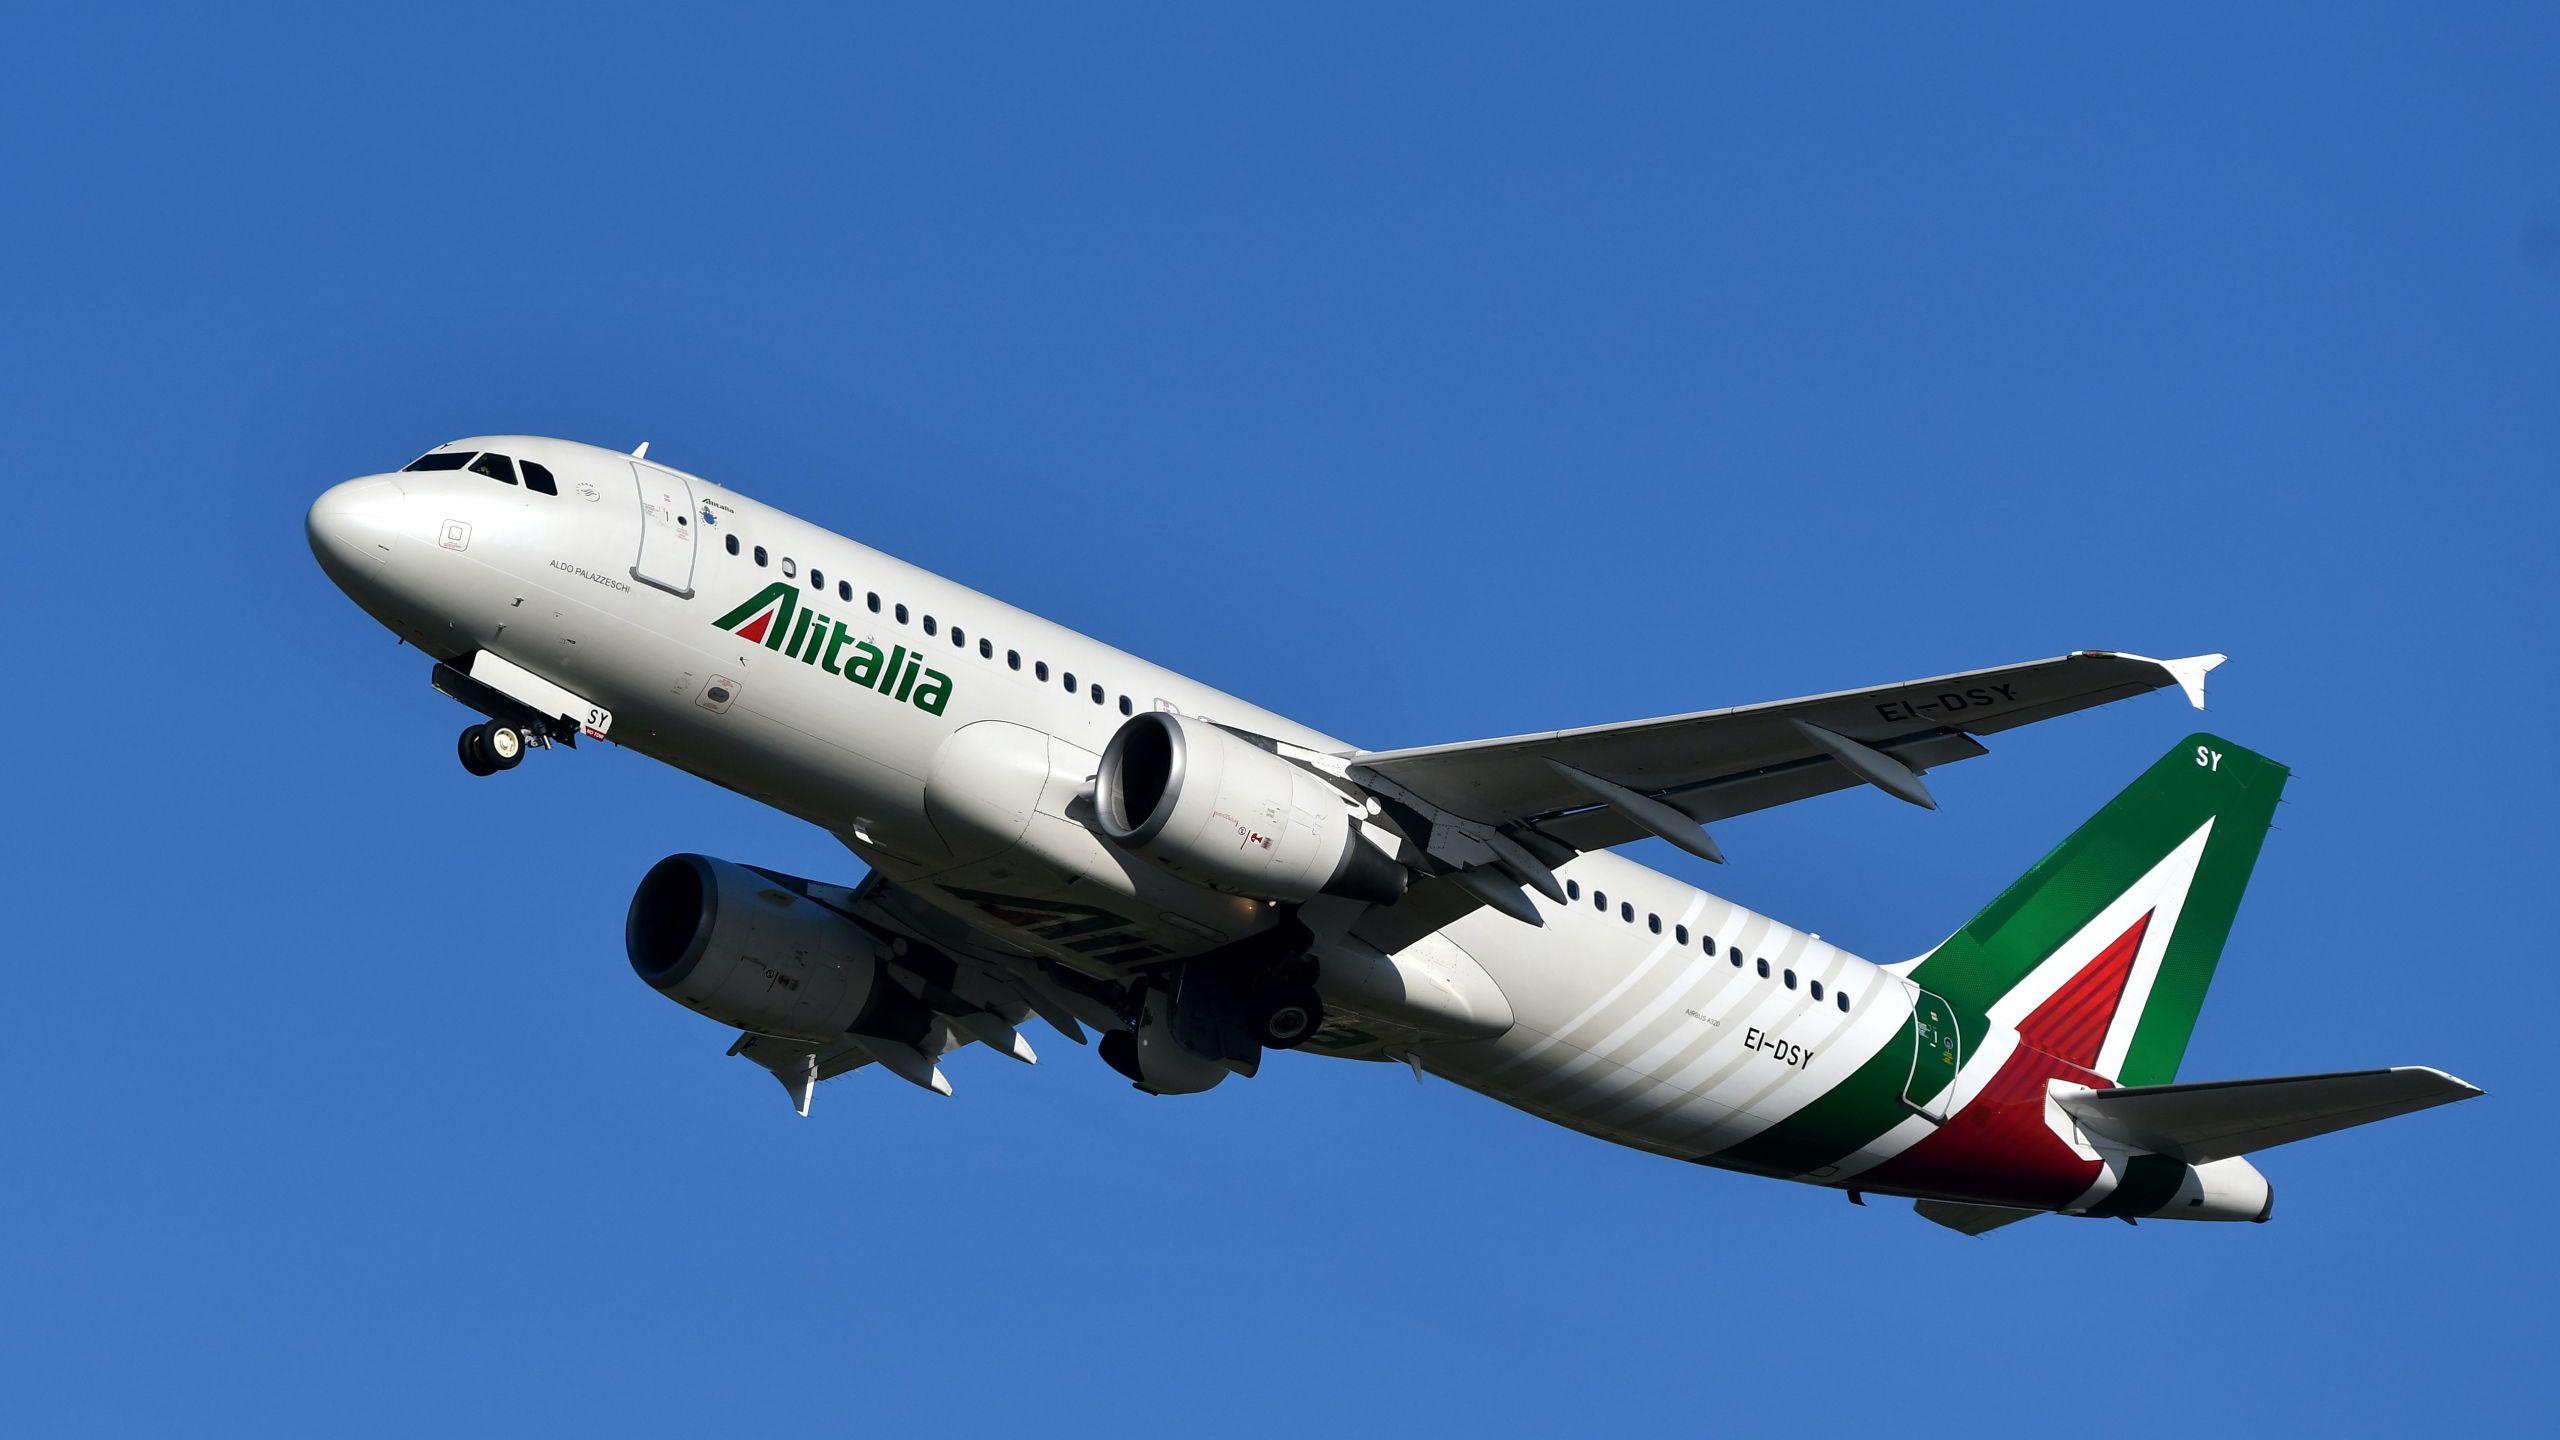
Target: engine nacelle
<point>752,950</point>
<point>1216,808</point>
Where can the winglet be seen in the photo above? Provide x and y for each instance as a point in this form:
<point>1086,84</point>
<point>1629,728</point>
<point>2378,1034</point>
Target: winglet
<point>2190,673</point>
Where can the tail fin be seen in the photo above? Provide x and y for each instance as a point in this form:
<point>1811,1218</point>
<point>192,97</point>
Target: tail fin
<point>2100,955</point>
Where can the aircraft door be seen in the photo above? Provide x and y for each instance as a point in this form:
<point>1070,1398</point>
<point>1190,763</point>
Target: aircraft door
<point>1937,1052</point>
<point>666,530</point>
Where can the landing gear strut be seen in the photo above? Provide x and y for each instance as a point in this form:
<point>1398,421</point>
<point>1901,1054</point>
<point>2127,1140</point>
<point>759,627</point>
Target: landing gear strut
<point>490,747</point>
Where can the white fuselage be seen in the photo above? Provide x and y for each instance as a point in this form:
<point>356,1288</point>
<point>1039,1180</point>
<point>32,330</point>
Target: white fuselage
<point>1645,1011</point>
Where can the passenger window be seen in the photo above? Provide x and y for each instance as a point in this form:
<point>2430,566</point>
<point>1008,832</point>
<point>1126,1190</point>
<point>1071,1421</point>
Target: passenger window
<point>790,568</point>
<point>1627,911</point>
<point>1013,659</point>
<point>1124,705</point>
<point>537,478</point>
<point>959,638</point>
<point>1841,999</point>
<point>1679,934</point>
<point>873,600</point>
<point>496,467</point>
<point>1737,958</point>
<point>1040,669</point>
<point>901,613</point>
<point>733,544</point>
<point>1653,923</point>
<point>1097,693</point>
<point>1791,979</point>
<point>1573,889</point>
<point>1600,901</point>
<point>817,578</point>
<point>928,624</point>
<point>1708,942</point>
<point>1814,988</point>
<point>844,591</point>
<point>443,460</point>
<point>1764,968</point>
<point>986,648</point>
<point>1071,682</point>
<point>759,557</point>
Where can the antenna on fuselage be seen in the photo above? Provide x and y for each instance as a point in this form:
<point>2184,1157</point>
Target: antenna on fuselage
<point>642,453</point>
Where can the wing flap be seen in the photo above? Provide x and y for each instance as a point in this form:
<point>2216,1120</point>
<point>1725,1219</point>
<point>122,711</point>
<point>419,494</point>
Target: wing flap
<point>2211,1120</point>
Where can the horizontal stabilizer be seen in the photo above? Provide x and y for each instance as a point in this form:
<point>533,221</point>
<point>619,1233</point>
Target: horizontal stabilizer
<point>1971,1219</point>
<point>2215,1119</point>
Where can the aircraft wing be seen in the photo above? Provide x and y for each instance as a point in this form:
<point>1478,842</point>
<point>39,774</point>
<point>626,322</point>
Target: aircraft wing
<point>1605,785</point>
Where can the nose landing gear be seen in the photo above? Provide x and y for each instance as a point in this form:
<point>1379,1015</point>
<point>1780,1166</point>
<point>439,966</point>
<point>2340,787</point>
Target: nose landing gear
<point>514,726</point>
<point>490,747</point>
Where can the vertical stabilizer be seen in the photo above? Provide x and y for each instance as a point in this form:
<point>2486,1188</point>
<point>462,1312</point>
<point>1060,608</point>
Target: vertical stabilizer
<point>2101,954</point>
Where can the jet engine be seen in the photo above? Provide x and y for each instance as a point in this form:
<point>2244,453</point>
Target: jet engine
<point>1209,805</point>
<point>750,948</point>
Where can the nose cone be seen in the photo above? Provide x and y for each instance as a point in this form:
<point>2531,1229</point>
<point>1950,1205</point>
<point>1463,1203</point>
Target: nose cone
<point>352,526</point>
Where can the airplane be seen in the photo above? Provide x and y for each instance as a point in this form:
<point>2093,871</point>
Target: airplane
<point>1057,829</point>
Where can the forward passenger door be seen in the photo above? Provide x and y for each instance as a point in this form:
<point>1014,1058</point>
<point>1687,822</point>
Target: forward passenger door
<point>666,530</point>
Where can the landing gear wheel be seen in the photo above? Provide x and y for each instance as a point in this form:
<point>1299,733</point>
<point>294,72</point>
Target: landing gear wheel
<point>490,748</point>
<point>1288,1019</point>
<point>474,751</point>
<point>504,745</point>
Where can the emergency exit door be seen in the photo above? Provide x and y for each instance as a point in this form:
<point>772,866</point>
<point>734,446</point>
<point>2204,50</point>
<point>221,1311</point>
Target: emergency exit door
<point>666,530</point>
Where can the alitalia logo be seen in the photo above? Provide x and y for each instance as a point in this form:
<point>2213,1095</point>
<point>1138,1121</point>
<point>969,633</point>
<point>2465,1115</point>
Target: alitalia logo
<point>773,618</point>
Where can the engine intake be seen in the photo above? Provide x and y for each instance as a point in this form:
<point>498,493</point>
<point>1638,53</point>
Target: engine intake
<point>751,949</point>
<point>1210,805</point>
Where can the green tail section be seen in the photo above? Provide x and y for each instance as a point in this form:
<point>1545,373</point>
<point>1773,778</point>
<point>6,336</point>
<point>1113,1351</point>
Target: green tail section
<point>2205,779</point>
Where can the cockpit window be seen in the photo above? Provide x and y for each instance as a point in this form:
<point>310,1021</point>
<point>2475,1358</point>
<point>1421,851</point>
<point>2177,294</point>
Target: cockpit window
<point>496,467</point>
<point>440,460</point>
<point>537,478</point>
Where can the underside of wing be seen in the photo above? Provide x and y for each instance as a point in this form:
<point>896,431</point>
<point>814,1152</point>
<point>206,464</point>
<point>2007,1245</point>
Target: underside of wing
<point>934,988</point>
<point>2203,1121</point>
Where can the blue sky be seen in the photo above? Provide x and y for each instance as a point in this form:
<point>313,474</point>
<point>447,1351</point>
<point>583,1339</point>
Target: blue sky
<point>1424,373</point>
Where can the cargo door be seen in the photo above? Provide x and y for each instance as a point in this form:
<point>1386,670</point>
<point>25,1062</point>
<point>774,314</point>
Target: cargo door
<point>666,530</point>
